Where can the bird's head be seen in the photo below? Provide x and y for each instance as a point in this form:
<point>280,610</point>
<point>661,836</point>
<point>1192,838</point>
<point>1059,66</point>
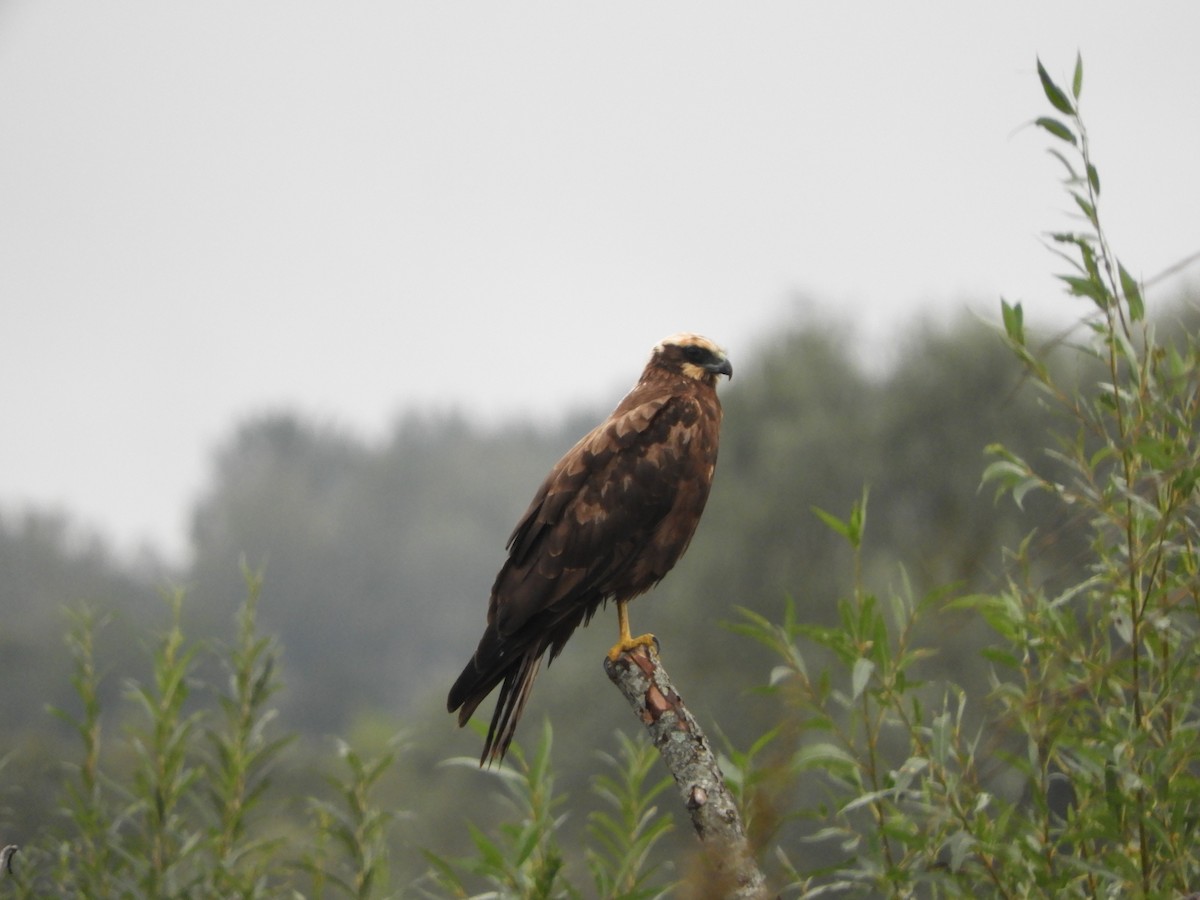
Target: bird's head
<point>692,356</point>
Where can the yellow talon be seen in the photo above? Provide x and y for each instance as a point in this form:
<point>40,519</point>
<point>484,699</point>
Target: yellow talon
<point>627,641</point>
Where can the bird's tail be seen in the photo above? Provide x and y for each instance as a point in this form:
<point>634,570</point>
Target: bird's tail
<point>515,680</point>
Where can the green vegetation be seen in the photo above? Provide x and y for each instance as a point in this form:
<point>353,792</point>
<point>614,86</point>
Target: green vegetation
<point>1081,779</point>
<point>964,691</point>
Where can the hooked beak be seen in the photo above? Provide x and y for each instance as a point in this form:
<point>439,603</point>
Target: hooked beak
<point>721,367</point>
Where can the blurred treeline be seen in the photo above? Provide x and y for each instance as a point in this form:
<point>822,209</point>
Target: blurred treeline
<point>378,557</point>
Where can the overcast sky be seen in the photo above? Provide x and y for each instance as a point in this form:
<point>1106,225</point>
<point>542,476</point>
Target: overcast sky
<point>208,210</point>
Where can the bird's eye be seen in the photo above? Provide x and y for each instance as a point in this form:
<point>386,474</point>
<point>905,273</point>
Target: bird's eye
<point>694,354</point>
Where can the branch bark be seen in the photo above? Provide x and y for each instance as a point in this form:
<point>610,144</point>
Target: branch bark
<point>684,749</point>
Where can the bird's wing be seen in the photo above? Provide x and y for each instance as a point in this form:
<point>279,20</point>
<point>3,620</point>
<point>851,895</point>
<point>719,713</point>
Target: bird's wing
<point>596,509</point>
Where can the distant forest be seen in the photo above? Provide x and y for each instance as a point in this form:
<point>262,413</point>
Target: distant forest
<point>377,559</point>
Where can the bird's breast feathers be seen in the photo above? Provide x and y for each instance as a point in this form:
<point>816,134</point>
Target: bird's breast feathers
<point>633,487</point>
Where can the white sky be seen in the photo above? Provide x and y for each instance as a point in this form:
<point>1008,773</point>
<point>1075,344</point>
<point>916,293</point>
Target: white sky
<point>213,209</point>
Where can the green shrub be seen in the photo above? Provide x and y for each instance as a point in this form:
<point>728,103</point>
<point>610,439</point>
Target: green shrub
<point>182,804</point>
<point>1082,779</point>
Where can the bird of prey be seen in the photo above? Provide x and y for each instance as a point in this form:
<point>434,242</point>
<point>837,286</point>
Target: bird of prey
<point>610,520</point>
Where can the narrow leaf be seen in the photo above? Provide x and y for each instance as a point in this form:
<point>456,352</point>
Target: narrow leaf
<point>1024,487</point>
<point>833,522</point>
<point>822,755</point>
<point>1077,81</point>
<point>1004,471</point>
<point>1085,287</point>
<point>858,516</point>
<point>1123,627</point>
<point>1133,294</point>
<point>1054,94</point>
<point>1056,128</point>
<point>1084,204</point>
<point>1074,177</point>
<point>861,676</point>
<point>1014,321</point>
<point>779,674</point>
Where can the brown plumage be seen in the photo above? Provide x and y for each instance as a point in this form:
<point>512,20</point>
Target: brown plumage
<point>610,520</point>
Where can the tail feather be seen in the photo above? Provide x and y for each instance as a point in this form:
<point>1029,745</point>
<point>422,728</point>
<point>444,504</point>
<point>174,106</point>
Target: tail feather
<point>511,661</point>
<point>515,677</point>
<point>514,693</point>
<point>471,689</point>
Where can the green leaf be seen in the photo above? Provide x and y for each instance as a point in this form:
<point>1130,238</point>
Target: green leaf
<point>1014,321</point>
<point>1086,287</point>
<point>1084,204</point>
<point>858,519</point>
<point>1074,176</point>
<point>1056,128</point>
<point>1093,179</point>
<point>762,742</point>
<point>1089,260</point>
<point>1133,294</point>
<point>1005,471</point>
<point>960,843</point>
<point>1123,626</point>
<point>1001,657</point>
<point>1024,487</point>
<point>833,522</point>
<point>822,756</point>
<point>1077,80</point>
<point>780,674</point>
<point>1054,94</point>
<point>861,676</point>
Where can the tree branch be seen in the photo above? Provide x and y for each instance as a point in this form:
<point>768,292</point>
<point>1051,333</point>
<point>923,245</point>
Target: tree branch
<point>684,749</point>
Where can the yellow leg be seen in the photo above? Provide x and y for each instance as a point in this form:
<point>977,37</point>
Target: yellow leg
<point>627,641</point>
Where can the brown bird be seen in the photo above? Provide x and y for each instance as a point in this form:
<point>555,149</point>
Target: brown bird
<point>610,520</point>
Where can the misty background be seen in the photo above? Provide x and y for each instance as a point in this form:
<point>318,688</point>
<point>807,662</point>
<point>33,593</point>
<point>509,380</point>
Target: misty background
<point>326,290</point>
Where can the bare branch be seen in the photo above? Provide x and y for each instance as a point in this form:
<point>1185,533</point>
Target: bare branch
<point>684,749</point>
